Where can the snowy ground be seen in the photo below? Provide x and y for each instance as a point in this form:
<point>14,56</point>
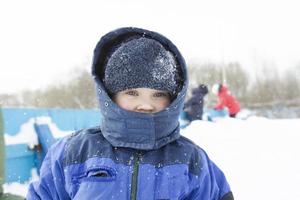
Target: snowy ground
<point>259,156</point>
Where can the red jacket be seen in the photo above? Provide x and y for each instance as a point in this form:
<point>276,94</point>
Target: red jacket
<point>227,100</point>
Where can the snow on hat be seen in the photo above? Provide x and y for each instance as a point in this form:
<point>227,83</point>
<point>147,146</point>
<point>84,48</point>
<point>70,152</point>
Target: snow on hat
<point>141,63</point>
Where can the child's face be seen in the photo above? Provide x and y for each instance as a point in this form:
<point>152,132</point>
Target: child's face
<point>143,100</point>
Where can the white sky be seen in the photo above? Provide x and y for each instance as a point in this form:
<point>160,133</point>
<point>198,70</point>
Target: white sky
<point>41,42</point>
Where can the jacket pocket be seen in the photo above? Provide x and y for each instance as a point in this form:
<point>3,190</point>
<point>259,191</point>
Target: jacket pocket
<point>96,174</point>
<point>90,180</point>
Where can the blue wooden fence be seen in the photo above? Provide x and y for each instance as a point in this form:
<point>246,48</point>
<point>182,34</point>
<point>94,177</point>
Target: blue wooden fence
<point>20,159</point>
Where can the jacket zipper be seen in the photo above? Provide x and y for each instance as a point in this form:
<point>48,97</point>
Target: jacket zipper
<point>134,178</point>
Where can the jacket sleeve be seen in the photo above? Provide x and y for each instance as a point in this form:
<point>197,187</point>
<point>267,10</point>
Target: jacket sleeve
<point>221,103</point>
<point>212,184</point>
<point>51,184</point>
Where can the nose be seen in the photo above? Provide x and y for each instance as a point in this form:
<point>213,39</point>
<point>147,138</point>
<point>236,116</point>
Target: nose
<point>145,107</point>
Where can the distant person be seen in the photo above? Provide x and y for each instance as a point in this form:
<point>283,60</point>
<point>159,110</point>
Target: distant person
<point>226,100</point>
<point>137,151</point>
<point>194,106</point>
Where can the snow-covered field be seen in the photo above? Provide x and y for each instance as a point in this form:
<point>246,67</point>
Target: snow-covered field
<point>259,156</point>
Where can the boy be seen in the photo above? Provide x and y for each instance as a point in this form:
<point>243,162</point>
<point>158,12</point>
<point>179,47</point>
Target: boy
<point>137,152</point>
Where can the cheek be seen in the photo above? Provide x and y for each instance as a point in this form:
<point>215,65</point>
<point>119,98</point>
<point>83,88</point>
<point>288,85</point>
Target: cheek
<point>163,104</point>
<point>124,103</point>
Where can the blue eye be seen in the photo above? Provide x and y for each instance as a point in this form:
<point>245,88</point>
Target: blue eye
<point>161,94</point>
<point>132,93</point>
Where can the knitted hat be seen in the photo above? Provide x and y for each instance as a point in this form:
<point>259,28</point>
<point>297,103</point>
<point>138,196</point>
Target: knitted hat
<point>203,89</point>
<point>141,63</point>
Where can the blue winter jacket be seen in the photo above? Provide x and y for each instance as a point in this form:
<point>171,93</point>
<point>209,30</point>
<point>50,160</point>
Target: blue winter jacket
<point>130,155</point>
